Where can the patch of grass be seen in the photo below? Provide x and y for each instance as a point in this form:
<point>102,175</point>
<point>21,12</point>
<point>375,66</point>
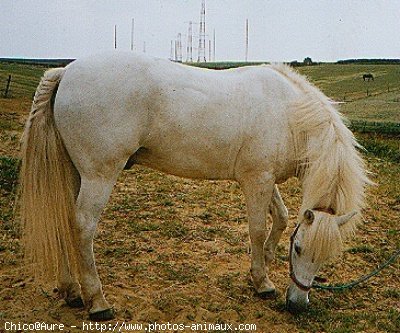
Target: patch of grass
<point>236,250</point>
<point>232,286</point>
<point>393,232</point>
<point>375,127</point>
<point>205,216</point>
<point>226,281</point>
<point>318,319</point>
<point>6,211</point>
<point>174,229</point>
<point>167,202</point>
<point>9,172</point>
<point>180,273</point>
<point>360,249</point>
<point>138,226</point>
<point>163,303</point>
<point>345,82</point>
<point>125,205</point>
<point>392,293</point>
<point>8,122</point>
<point>212,233</point>
<point>390,322</point>
<point>386,148</point>
<point>24,78</point>
<point>224,65</point>
<point>393,322</point>
<point>116,252</point>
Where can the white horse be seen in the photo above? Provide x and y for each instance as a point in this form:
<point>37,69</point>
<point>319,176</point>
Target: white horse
<point>256,125</point>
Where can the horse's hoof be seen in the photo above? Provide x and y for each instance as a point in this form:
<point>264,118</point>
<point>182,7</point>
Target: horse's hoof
<point>75,302</point>
<point>104,315</point>
<point>270,294</point>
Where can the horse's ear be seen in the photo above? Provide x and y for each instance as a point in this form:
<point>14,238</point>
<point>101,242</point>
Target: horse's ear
<point>309,216</point>
<point>343,219</point>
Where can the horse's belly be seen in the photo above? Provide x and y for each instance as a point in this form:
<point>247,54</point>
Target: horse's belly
<point>186,162</point>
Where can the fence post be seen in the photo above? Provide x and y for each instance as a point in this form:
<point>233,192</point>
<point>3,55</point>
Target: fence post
<point>7,87</point>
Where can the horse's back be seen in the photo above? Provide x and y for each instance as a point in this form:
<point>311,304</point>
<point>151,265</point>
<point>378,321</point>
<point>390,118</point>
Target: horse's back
<point>188,121</point>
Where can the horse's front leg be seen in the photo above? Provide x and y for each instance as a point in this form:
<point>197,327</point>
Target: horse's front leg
<point>258,190</point>
<point>92,198</point>
<point>280,218</point>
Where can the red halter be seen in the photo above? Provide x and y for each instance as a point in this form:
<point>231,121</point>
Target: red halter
<point>291,270</point>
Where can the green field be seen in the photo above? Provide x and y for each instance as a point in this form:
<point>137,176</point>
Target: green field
<point>344,83</point>
<point>25,78</point>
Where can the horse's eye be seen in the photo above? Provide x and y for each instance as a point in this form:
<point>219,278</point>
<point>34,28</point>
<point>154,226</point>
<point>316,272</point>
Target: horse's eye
<point>297,248</point>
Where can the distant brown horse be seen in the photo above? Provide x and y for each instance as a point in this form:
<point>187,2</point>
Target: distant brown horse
<point>368,77</point>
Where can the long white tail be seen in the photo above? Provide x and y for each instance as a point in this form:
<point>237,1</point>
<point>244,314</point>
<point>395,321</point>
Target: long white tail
<point>49,184</point>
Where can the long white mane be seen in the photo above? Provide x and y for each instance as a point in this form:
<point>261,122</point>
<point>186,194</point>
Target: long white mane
<point>330,167</point>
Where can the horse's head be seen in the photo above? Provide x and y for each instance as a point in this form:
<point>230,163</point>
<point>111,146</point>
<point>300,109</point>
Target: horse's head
<point>315,240</point>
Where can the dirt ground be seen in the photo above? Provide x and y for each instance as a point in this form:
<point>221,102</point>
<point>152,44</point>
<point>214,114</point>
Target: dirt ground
<point>173,250</point>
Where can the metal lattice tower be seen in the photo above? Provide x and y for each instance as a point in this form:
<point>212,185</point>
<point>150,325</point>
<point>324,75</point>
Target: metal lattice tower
<point>132,31</point>
<point>214,46</point>
<point>178,48</point>
<point>171,55</point>
<point>202,34</point>
<point>189,48</point>
<point>247,40</point>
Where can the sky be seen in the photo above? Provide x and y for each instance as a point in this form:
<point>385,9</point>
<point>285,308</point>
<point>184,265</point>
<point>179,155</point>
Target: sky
<point>279,30</point>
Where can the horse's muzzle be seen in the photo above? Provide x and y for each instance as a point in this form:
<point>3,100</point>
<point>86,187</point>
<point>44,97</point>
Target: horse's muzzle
<point>296,308</point>
<point>295,305</point>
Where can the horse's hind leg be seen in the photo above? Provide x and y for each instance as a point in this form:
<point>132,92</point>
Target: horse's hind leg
<point>67,283</point>
<point>280,218</point>
<point>68,286</point>
<point>93,196</point>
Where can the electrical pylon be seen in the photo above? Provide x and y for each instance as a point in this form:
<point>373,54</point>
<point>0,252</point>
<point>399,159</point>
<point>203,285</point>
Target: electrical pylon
<point>189,47</point>
<point>202,34</point>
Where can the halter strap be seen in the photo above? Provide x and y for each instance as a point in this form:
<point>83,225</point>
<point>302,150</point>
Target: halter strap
<point>291,270</point>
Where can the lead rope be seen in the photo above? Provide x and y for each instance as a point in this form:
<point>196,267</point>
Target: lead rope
<point>366,277</point>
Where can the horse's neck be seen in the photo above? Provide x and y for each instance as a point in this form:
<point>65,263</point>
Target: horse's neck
<point>319,196</point>
<point>320,174</point>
